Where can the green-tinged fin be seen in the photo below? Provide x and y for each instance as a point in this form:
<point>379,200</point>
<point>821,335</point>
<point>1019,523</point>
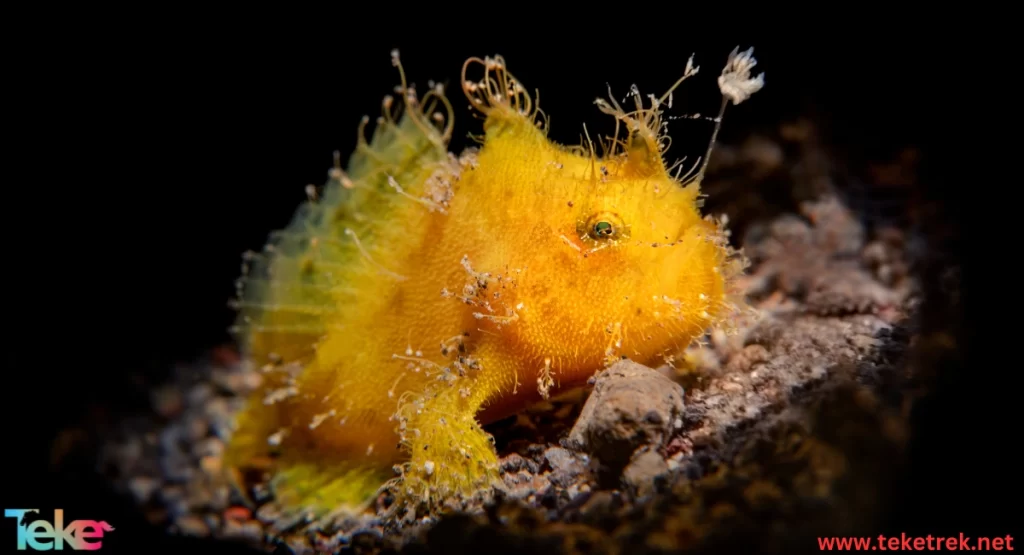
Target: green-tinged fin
<point>290,292</point>
<point>321,492</point>
<point>308,280</point>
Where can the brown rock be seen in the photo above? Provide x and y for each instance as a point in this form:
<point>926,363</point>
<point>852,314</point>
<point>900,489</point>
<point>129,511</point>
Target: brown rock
<point>632,406</point>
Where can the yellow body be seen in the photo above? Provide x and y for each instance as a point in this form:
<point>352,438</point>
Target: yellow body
<point>423,294</point>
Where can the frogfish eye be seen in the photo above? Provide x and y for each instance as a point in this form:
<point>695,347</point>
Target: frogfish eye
<point>603,227</point>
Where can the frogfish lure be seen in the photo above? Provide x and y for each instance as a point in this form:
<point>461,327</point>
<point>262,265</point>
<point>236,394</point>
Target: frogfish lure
<point>421,294</point>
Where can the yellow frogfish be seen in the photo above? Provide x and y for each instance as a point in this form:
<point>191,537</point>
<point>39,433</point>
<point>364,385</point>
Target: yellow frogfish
<point>420,295</point>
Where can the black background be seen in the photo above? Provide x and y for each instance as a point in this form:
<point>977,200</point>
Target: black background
<point>151,155</point>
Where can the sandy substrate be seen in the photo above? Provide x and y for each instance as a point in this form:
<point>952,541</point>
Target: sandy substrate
<point>794,426</point>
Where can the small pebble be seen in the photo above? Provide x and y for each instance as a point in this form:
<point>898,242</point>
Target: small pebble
<point>268,513</point>
<point>252,531</point>
<point>220,497</point>
<point>178,508</point>
<point>170,494</point>
<point>168,402</point>
<point>232,529</point>
<point>251,381</point>
<point>126,454</point>
<point>559,458</point>
<point>199,394</point>
<point>209,447</point>
<point>299,545</point>
<point>142,488</point>
<point>170,439</point>
<point>217,409</point>
<point>261,492</point>
<point>238,513</point>
<point>639,475</point>
<point>199,496</point>
<point>191,525</point>
<point>197,428</point>
<point>226,380</point>
<point>176,467</point>
<point>515,462</point>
